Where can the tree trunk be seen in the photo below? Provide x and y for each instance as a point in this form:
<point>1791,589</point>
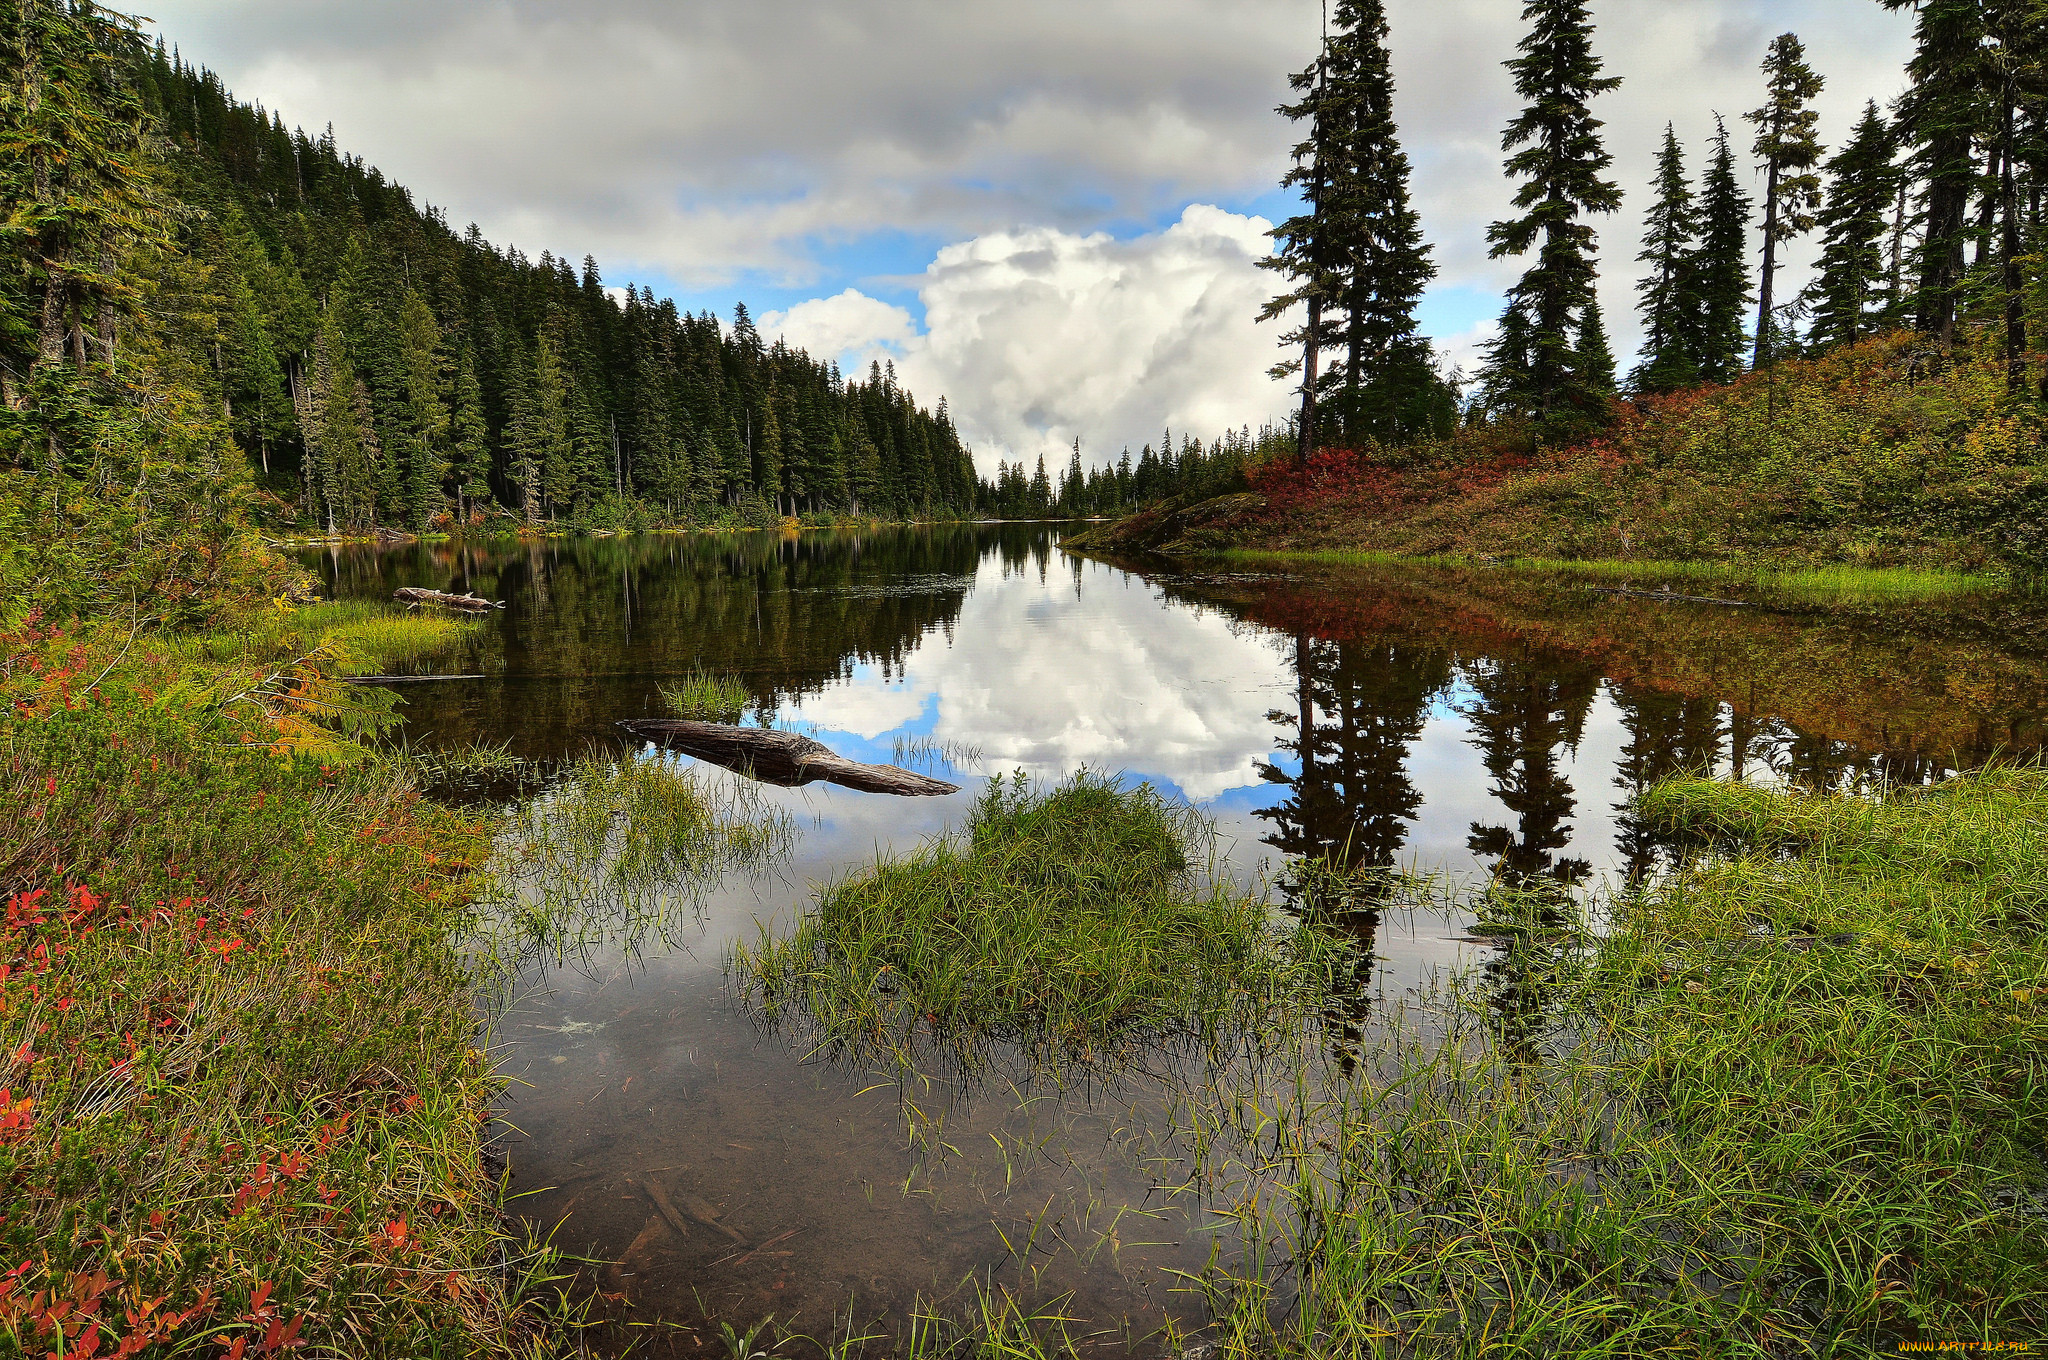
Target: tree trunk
<point>1761,354</point>
<point>1312,344</point>
<point>2009,248</point>
<point>778,757</point>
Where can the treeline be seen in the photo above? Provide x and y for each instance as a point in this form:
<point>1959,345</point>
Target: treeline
<point>1194,468</point>
<point>382,368</point>
<point>1930,215</point>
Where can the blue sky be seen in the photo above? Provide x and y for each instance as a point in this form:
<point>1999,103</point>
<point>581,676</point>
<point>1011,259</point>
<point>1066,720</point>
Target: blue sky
<point>1051,213</point>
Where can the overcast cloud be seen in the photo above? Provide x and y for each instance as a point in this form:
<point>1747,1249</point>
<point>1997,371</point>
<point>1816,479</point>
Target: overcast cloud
<point>1050,212</point>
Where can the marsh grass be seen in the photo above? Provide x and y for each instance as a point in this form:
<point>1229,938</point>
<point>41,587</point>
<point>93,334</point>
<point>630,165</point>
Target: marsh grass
<point>1839,584</point>
<point>1070,914</point>
<point>369,636</point>
<point>705,697</point>
<point>1790,1100</point>
<point>622,848</point>
<point>933,752</point>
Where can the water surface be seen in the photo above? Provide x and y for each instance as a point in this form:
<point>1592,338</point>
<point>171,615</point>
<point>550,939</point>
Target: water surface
<point>1470,722</point>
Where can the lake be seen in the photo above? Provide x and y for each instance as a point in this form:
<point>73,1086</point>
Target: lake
<point>1469,722</point>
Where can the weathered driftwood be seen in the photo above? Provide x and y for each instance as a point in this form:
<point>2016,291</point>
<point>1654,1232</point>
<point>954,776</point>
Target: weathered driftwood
<point>405,679</point>
<point>415,596</point>
<point>1668,596</point>
<point>777,757</point>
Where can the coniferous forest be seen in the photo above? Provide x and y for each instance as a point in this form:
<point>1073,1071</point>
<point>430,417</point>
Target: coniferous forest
<point>1885,410</point>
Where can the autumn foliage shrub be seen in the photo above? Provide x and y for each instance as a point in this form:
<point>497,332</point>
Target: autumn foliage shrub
<point>243,1095</point>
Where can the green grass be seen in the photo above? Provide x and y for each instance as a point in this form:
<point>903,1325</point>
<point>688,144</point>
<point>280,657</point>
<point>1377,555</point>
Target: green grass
<point>367,637</point>
<point>1073,914</point>
<point>1790,1101</point>
<point>707,697</point>
<point>623,848</point>
<point>244,1086</point>
<point>1829,584</point>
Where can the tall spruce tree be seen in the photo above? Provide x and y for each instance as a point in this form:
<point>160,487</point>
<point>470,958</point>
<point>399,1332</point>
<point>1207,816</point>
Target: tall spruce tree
<point>1788,150</point>
<point>79,194</point>
<point>1309,259</point>
<point>425,430</point>
<point>1720,267</point>
<point>1848,292</point>
<point>1388,388</point>
<point>1669,290</point>
<point>1557,152</point>
<point>469,446</point>
<point>1941,114</point>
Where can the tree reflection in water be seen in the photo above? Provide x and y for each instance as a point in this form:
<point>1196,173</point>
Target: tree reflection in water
<point>1359,707</point>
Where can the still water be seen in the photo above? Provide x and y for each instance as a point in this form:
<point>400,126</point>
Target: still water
<point>1466,722</point>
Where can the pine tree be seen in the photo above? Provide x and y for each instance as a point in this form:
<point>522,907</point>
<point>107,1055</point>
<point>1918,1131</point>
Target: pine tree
<point>1558,154</point>
<point>1309,259</point>
<point>79,194</point>
<point>1720,267</point>
<point>468,439</point>
<point>1847,294</point>
<point>1595,360</point>
<point>1669,290</point>
<point>1788,150</point>
<point>1385,387</point>
<point>1940,115</point>
<point>426,412</point>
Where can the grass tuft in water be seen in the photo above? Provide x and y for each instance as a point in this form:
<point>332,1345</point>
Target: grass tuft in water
<point>1070,914</point>
<point>706,697</point>
<point>617,844</point>
<point>367,636</point>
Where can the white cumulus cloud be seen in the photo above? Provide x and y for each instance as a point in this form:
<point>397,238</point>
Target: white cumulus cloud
<point>1040,336</point>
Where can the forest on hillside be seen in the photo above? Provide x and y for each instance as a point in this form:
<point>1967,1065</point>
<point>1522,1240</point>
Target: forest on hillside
<point>1929,216</point>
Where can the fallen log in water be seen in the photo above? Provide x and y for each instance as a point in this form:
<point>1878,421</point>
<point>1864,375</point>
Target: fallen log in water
<point>778,757</point>
<point>415,596</point>
<point>404,679</point>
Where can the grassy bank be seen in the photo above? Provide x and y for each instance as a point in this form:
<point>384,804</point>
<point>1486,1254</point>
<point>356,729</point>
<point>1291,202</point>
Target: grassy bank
<point>1793,1103</point>
<point>1821,585</point>
<point>1873,455</point>
<point>1789,1101</point>
<point>244,1099</point>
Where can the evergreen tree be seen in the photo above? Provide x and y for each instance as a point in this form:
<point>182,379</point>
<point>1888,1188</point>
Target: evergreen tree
<point>1788,150</point>
<point>79,194</point>
<point>1669,290</point>
<point>1558,154</point>
<point>1940,115</point>
<point>1386,387</point>
<point>1594,358</point>
<point>426,412</point>
<point>1720,268</point>
<point>1847,294</point>
<point>468,439</point>
<point>1309,258</point>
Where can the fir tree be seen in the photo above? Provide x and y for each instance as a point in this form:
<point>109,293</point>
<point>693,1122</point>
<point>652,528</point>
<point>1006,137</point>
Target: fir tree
<point>1720,268</point>
<point>1847,294</point>
<point>79,195</point>
<point>1385,388</point>
<point>1309,258</point>
<point>1788,150</point>
<point>468,439</point>
<point>1669,290</point>
<point>426,412</point>
<point>1558,155</point>
<point>1594,358</point>
<point>1939,115</point>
